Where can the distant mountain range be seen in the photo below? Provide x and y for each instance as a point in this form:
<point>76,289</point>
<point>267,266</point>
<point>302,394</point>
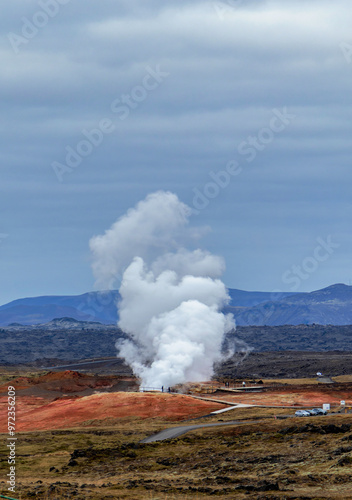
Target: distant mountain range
<point>331,305</point>
<point>92,306</point>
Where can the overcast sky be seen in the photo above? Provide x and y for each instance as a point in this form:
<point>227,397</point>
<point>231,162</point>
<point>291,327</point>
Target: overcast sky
<point>180,92</point>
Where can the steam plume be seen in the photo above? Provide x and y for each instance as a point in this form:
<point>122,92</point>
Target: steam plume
<point>171,297</point>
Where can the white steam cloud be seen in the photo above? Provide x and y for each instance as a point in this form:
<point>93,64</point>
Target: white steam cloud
<point>171,297</point>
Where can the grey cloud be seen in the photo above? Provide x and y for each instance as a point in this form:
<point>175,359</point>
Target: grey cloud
<point>226,76</point>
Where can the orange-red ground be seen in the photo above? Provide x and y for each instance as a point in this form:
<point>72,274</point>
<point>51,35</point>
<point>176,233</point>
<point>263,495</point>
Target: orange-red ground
<point>70,399</point>
<point>37,414</point>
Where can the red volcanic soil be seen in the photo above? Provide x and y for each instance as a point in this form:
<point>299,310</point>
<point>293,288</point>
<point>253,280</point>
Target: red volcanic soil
<point>71,399</point>
<point>33,414</point>
<point>65,382</point>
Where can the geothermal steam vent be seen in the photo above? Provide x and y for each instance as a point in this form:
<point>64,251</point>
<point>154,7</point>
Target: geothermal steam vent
<point>171,297</point>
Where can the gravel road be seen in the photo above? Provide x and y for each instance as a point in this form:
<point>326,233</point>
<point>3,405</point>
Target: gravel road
<point>175,432</point>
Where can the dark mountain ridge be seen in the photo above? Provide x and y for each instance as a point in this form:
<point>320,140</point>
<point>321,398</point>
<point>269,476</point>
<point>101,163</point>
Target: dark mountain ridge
<point>91,306</point>
<point>331,305</point>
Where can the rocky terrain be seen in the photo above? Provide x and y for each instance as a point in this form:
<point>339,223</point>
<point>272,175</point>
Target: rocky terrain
<point>61,339</point>
<point>286,364</point>
<point>283,364</point>
<point>268,459</point>
<point>296,337</point>
<point>66,339</point>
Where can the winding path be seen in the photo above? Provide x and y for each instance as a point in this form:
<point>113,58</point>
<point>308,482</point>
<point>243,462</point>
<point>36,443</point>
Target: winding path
<point>175,432</point>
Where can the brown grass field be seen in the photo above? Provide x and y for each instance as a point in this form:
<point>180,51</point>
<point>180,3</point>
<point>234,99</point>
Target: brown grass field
<point>88,446</point>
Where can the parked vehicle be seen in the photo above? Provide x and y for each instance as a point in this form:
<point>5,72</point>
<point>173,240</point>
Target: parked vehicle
<point>317,411</point>
<point>313,412</point>
<point>310,413</point>
<point>302,413</point>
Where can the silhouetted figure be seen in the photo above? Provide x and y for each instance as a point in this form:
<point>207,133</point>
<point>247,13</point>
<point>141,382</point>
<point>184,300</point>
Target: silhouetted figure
<point>162,388</point>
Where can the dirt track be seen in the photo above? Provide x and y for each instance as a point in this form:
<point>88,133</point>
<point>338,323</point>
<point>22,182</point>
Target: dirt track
<point>175,432</point>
